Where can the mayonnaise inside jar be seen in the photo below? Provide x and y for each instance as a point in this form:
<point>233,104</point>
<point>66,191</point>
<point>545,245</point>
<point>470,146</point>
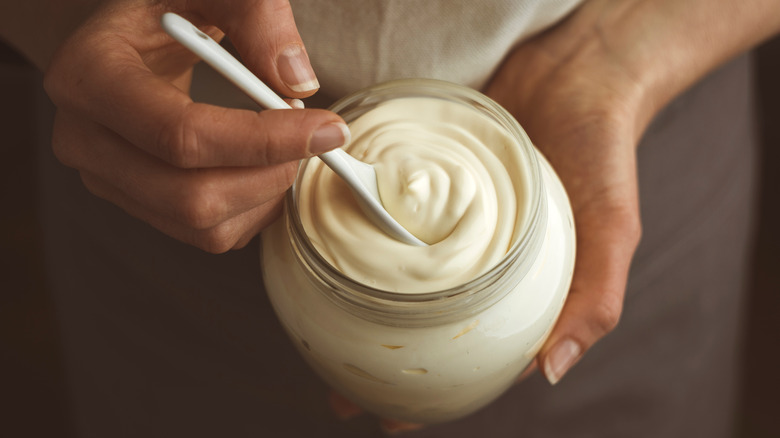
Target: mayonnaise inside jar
<point>424,334</point>
<point>447,173</point>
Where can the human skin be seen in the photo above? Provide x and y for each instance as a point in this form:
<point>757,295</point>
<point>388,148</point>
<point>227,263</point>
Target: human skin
<point>584,90</point>
<point>209,176</point>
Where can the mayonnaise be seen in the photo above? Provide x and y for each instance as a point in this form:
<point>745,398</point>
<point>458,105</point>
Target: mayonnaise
<point>424,334</point>
<point>444,172</point>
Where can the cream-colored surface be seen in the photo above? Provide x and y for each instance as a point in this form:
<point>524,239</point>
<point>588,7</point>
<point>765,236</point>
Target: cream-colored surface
<point>449,174</point>
<point>425,374</point>
<point>444,370</point>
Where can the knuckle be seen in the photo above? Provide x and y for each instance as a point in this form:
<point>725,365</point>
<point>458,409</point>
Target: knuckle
<point>54,78</point>
<point>90,183</point>
<point>219,239</point>
<point>286,174</point>
<point>178,141</point>
<point>65,79</point>
<point>286,135</point>
<point>64,144</point>
<point>63,151</point>
<point>606,314</point>
<point>51,84</point>
<point>201,206</point>
<point>242,242</point>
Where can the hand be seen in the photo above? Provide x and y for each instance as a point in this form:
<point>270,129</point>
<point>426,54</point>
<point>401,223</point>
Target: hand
<point>585,90</point>
<point>585,111</point>
<point>209,176</point>
<point>586,116</point>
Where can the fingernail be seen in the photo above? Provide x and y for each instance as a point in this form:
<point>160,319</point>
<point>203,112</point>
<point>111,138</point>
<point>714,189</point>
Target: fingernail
<point>560,359</point>
<point>295,69</point>
<point>297,104</point>
<point>328,136</point>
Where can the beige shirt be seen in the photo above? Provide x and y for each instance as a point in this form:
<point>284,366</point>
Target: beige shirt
<point>356,43</point>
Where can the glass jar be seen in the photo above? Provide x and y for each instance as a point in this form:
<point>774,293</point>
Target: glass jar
<point>436,356</point>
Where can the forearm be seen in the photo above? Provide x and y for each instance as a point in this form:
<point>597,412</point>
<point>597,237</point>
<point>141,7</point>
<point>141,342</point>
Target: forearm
<point>585,90</point>
<point>37,27</point>
<point>667,45</point>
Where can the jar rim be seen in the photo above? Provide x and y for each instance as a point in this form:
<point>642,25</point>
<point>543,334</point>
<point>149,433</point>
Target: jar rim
<point>526,244</point>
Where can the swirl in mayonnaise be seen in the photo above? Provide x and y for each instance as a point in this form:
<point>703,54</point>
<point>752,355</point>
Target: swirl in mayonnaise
<point>449,174</point>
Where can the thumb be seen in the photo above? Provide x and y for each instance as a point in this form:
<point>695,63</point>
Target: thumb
<point>265,35</point>
<point>605,246</point>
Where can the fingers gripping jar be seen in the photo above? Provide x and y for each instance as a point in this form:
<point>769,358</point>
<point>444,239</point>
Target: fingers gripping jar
<point>427,334</point>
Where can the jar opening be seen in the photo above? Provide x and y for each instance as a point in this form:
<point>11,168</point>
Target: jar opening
<point>435,306</point>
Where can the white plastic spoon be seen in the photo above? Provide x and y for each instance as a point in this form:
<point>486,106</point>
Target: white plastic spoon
<point>359,176</point>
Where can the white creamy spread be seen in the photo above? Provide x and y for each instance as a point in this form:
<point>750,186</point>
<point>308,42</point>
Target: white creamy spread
<point>446,172</point>
<point>461,182</point>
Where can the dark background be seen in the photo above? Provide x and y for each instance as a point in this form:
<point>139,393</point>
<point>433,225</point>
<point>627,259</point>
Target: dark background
<point>32,387</point>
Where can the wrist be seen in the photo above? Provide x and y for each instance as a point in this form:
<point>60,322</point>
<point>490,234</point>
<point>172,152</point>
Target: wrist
<point>668,45</point>
<point>575,67</point>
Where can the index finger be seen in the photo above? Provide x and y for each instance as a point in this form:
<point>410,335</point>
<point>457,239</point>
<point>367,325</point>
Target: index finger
<point>265,34</point>
<point>118,90</point>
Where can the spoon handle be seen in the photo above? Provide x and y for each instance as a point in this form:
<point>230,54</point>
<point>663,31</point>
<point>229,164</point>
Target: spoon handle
<point>360,176</point>
<point>226,64</point>
<point>221,60</point>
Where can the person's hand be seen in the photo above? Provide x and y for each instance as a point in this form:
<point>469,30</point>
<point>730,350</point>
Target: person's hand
<point>585,111</point>
<point>586,116</point>
<point>208,176</point>
<point>585,90</point>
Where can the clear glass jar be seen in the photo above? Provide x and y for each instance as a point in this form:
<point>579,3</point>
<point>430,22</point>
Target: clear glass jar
<point>429,357</point>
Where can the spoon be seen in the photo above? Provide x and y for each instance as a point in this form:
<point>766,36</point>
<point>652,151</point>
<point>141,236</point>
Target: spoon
<point>359,176</point>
